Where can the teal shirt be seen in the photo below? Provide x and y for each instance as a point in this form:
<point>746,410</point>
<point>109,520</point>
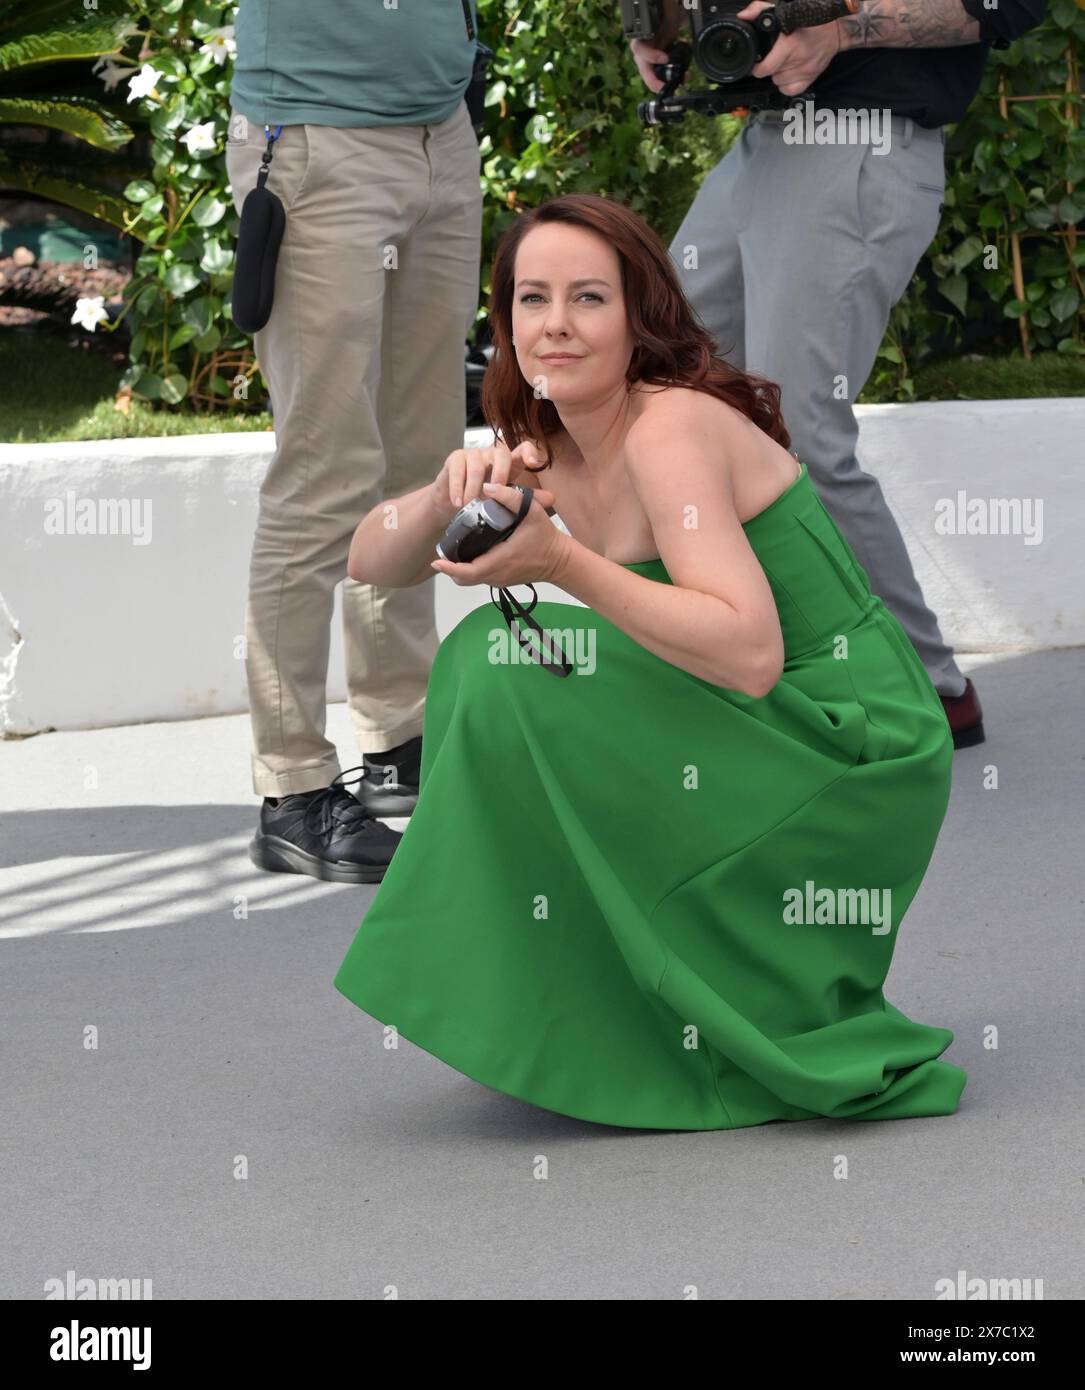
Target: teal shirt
<point>351,62</point>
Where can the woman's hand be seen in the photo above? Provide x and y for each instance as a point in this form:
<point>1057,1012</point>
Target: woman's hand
<point>465,470</point>
<point>532,553</point>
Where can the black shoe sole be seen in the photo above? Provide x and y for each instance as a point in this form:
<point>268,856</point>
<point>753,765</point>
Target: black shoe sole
<point>281,857</point>
<point>968,738</point>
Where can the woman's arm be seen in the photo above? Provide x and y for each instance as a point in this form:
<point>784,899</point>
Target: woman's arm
<point>395,542</point>
<point>717,619</point>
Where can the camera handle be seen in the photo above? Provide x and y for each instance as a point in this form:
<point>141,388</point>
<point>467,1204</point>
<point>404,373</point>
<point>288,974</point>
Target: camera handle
<point>509,602</point>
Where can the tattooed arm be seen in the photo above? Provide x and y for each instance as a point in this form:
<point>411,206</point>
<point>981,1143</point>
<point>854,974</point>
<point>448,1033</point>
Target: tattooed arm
<point>908,24</point>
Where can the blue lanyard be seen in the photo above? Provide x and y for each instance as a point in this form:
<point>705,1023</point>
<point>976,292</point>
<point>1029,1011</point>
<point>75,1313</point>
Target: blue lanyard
<point>265,163</point>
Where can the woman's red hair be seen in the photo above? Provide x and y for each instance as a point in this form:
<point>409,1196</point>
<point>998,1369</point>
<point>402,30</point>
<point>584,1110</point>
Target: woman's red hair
<point>671,346</point>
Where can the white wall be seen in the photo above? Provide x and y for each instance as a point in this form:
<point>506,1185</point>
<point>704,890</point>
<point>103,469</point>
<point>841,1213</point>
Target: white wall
<point>99,629</point>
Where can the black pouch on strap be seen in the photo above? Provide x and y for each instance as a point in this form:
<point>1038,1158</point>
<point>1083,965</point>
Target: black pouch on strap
<point>263,221</point>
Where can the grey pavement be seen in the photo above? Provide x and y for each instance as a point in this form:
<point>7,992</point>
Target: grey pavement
<point>239,1130</point>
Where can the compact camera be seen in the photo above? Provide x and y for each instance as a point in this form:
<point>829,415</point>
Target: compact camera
<point>478,526</point>
<point>726,50</point>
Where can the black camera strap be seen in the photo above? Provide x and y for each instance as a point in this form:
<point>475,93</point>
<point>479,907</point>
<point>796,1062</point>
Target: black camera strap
<point>541,652</point>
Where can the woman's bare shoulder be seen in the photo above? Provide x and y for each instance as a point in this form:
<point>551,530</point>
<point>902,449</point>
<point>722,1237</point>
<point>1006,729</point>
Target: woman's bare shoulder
<point>672,405</point>
<point>758,467</point>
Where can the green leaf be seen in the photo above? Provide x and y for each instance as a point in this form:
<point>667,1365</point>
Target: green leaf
<point>209,341</point>
<point>1040,218</point>
<point>150,386</point>
<point>198,313</point>
<point>180,278</point>
<point>166,119</point>
<point>169,63</point>
<point>1064,304</point>
<point>184,333</point>
<point>216,259</point>
<point>1071,209</point>
<point>79,116</point>
<point>44,183</point>
<point>147,298</point>
<point>77,33</point>
<point>208,211</point>
<point>967,252</point>
<point>139,190</point>
<point>955,289</point>
<point>174,389</point>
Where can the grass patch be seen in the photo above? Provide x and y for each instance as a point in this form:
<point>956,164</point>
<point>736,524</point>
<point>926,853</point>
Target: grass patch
<point>55,392</point>
<point>978,378</point>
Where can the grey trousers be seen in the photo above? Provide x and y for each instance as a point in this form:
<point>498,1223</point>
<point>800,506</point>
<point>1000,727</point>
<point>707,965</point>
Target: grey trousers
<point>792,256</point>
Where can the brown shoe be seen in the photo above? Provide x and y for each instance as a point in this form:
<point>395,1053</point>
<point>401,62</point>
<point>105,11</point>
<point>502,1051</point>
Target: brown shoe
<point>965,716</point>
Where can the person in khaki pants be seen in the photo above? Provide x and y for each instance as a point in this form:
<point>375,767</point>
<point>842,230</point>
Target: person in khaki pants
<point>376,288</point>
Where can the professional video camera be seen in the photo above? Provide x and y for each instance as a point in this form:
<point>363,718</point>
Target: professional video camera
<point>726,50</point>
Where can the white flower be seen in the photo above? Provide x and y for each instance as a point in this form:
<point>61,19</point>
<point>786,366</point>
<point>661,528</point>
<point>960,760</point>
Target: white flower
<point>89,312</point>
<point>199,137</point>
<point>142,83</point>
<point>220,44</point>
<point>111,72</point>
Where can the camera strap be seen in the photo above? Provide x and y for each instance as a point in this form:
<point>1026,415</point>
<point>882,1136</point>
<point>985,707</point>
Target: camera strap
<point>511,608</point>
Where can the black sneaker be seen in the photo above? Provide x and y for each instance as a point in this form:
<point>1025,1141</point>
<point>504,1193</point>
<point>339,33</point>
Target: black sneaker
<point>389,788</point>
<point>324,833</point>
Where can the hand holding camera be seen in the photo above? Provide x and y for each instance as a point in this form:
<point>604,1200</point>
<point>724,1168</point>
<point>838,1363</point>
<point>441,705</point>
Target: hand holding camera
<point>465,470</point>
<point>502,538</point>
<point>740,55</point>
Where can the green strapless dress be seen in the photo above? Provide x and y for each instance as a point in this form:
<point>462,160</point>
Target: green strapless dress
<point>637,898</point>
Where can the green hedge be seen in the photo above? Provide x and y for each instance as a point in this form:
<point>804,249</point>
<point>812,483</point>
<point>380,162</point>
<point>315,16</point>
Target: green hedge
<point>561,116</point>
